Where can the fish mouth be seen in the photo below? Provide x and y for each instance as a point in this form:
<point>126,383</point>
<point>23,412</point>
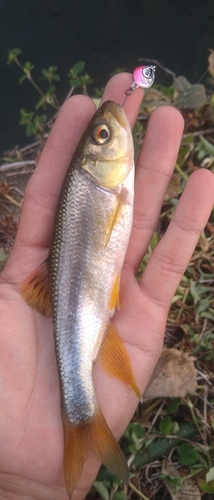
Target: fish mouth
<point>117,111</point>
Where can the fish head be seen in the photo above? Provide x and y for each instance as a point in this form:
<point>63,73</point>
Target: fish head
<point>107,152</point>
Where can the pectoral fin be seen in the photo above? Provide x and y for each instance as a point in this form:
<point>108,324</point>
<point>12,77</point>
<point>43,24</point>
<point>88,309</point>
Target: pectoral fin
<point>115,360</point>
<point>122,200</point>
<point>35,290</point>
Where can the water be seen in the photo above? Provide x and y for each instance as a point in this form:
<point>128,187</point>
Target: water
<point>106,35</point>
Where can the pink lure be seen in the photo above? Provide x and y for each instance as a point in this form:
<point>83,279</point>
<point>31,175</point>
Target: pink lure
<point>144,76</point>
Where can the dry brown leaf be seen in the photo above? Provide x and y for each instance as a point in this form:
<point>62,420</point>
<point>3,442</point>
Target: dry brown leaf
<point>174,376</point>
<point>188,490</point>
<point>187,95</point>
<point>4,188</point>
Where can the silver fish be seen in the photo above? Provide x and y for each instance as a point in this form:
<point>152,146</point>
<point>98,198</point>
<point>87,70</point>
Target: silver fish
<point>91,234</point>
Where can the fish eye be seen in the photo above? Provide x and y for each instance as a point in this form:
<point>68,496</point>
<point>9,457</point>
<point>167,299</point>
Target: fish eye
<point>100,134</point>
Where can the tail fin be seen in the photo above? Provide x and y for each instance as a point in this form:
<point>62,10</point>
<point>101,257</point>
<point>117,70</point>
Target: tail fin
<point>91,438</point>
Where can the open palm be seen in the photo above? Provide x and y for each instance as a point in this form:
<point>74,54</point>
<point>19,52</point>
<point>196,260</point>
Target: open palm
<point>31,437</point>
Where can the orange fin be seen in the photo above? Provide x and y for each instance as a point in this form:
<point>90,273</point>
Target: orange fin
<point>35,290</point>
<point>91,438</point>
<point>115,299</point>
<point>115,360</point>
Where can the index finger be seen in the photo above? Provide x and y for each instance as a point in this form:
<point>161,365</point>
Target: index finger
<point>43,190</point>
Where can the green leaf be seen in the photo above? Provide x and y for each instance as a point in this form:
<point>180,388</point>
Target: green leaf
<point>174,428</point>
<point>77,80</point>
<point>21,80</point>
<point>50,74</point>
<point>184,151</point>
<point>173,405</point>
<point>118,70</point>
<point>3,259</point>
<point>176,482</point>
<point>204,148</point>
<point>166,91</point>
<point>119,495</point>
<point>160,446</point>
<point>133,434</point>
<point>210,475</point>
<point>31,129</point>
<point>138,429</point>
<point>28,66</point>
<point>203,305</point>
<point>134,430</point>
<point>208,314</point>
<point>188,454</point>
<point>41,103</point>
<point>165,426</point>
<point>85,79</point>
<point>74,82</point>
<point>108,478</point>
<point>12,55</point>
<point>208,146</point>
<point>42,119</point>
<point>101,489</point>
<point>194,290</point>
<point>34,123</point>
<point>154,241</point>
<point>78,67</point>
<point>25,117</point>
<point>207,488</point>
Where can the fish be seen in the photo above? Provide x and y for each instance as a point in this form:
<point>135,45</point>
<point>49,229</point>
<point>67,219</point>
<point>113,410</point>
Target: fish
<point>79,285</point>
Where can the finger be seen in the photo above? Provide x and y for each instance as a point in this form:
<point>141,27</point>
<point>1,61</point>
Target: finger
<point>43,190</point>
<point>115,91</point>
<point>154,170</point>
<point>142,318</point>
<point>172,255</point>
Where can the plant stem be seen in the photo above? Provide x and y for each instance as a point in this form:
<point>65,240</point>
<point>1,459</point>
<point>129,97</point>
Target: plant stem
<point>9,198</point>
<point>180,171</point>
<point>190,405</point>
<point>141,495</point>
<point>152,406</point>
<point>29,77</point>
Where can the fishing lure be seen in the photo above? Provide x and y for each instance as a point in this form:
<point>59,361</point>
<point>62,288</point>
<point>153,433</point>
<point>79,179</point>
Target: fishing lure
<point>143,77</point>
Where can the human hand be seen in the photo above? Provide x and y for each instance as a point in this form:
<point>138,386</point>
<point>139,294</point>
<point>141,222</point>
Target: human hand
<point>31,436</point>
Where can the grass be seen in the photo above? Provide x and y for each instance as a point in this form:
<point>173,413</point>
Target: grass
<point>170,442</point>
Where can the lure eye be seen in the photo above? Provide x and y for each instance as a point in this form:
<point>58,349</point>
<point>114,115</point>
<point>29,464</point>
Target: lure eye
<point>100,134</point>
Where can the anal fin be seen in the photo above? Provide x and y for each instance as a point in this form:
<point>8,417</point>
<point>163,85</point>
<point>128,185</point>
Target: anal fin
<point>115,360</point>
<point>35,290</point>
<point>91,438</point>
